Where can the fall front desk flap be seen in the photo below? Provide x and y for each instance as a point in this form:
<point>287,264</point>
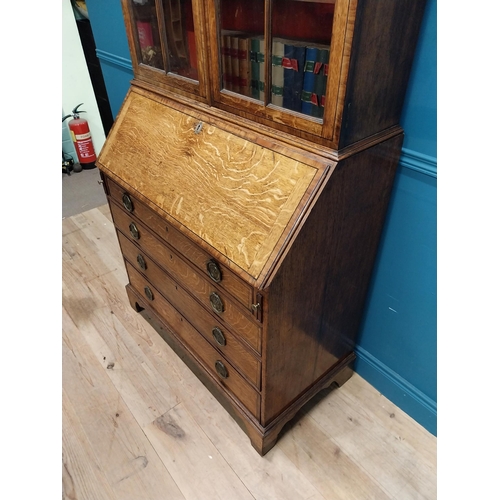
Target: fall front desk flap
<point>239,197</point>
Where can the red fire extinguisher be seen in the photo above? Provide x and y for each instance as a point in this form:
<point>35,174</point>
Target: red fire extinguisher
<point>82,140</point>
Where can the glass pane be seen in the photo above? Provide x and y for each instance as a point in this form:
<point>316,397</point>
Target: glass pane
<point>301,31</point>
<point>242,46</point>
<point>146,25</point>
<point>181,44</point>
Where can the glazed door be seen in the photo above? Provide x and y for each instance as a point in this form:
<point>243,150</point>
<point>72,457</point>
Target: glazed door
<point>167,43</point>
<point>279,61</point>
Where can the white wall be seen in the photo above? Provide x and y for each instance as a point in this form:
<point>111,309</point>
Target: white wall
<point>76,83</point>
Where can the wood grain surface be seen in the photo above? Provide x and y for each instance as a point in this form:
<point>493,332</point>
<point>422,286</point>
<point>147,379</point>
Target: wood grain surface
<point>234,194</point>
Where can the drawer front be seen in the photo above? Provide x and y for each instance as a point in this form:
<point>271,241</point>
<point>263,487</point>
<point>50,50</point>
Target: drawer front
<point>202,260</point>
<point>214,331</point>
<point>207,294</point>
<point>213,361</point>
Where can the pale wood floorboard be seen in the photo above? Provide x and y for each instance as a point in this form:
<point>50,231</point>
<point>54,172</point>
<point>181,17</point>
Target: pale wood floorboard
<point>138,425</point>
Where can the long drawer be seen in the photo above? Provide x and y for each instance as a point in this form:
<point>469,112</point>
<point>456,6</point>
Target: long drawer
<point>213,361</point>
<point>212,329</point>
<point>202,260</point>
<point>208,295</point>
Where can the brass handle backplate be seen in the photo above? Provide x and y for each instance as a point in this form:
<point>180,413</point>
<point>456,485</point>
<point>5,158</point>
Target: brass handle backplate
<point>216,303</point>
<point>214,271</point>
<point>141,262</point>
<point>221,369</point>
<point>149,293</point>
<point>219,336</point>
<point>134,231</point>
<point>127,202</point>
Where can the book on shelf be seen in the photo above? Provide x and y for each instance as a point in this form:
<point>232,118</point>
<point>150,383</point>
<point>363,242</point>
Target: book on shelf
<point>235,63</point>
<point>321,76</point>
<point>299,71</point>
<point>309,77</point>
<point>244,65</point>
<point>227,75</point>
<point>304,69</point>
<point>192,72</point>
<point>293,65</point>
<point>262,68</point>
<point>235,59</point>
<point>278,51</point>
<point>257,59</point>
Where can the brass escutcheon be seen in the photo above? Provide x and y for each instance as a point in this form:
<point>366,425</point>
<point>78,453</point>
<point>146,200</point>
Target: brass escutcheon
<point>149,293</point>
<point>141,262</point>
<point>214,271</point>
<point>216,303</point>
<point>219,336</point>
<point>221,369</point>
<point>127,202</point>
<point>134,231</point>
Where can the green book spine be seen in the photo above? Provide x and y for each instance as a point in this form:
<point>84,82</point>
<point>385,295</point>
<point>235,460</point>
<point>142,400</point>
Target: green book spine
<point>262,67</point>
<point>277,72</point>
<point>254,64</point>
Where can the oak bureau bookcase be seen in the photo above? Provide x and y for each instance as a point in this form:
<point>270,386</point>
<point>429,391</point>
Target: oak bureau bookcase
<point>248,175</point>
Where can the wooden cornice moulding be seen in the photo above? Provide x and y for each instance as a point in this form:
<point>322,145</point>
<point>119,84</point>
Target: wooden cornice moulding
<point>369,142</point>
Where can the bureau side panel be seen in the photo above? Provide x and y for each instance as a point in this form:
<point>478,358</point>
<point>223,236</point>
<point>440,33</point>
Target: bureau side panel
<point>316,298</point>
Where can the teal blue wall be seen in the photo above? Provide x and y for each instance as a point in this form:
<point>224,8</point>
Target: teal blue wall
<point>112,48</point>
<point>420,109</point>
<point>396,352</point>
<point>397,344</point>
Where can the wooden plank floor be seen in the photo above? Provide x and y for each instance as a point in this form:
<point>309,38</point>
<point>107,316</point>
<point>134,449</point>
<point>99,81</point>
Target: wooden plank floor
<point>138,425</point>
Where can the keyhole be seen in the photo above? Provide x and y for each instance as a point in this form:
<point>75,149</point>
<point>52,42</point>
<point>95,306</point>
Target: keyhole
<point>198,127</point>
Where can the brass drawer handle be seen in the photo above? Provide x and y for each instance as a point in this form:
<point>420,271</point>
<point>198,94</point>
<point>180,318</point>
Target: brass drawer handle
<point>219,336</point>
<point>221,369</point>
<point>149,293</point>
<point>141,262</point>
<point>214,271</point>
<point>127,202</point>
<point>134,231</point>
<point>216,303</point>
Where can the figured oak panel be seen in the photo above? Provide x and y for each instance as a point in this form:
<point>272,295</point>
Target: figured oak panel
<point>234,194</point>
